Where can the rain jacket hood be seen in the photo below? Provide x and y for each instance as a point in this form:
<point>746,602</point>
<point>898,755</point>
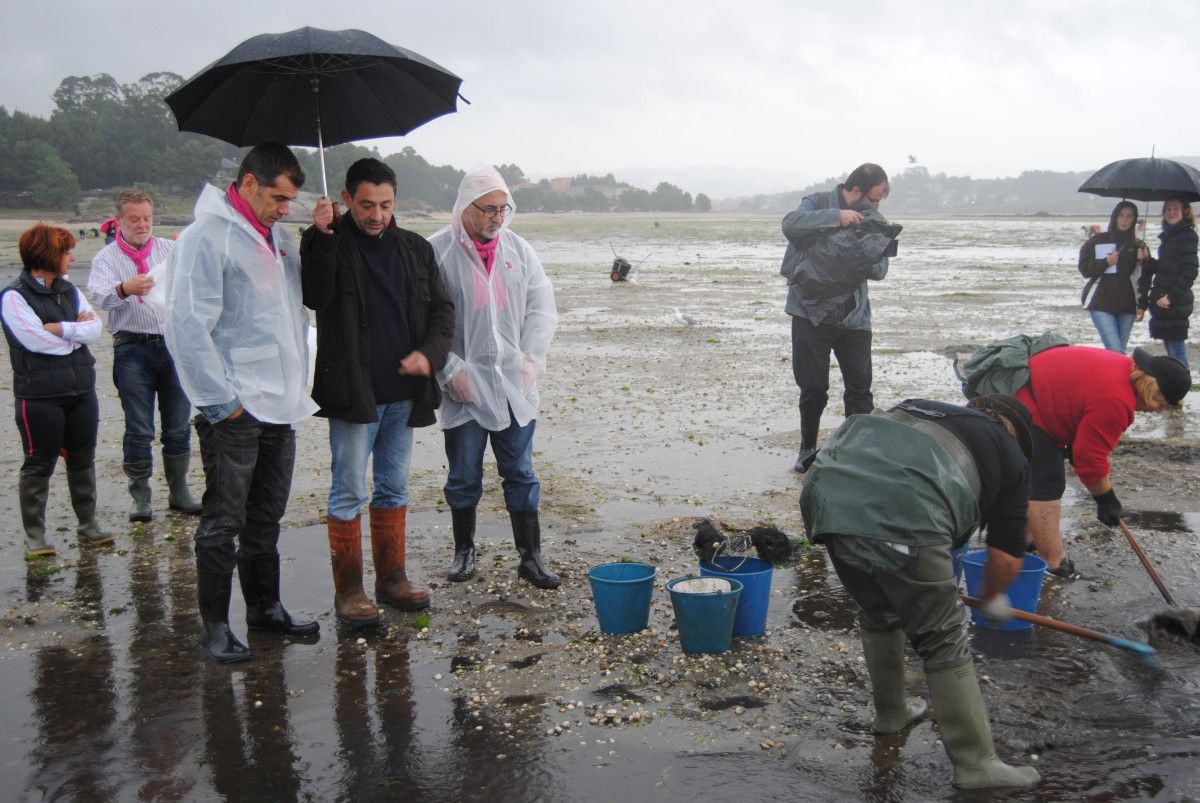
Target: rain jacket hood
<point>504,321</point>
<point>234,322</point>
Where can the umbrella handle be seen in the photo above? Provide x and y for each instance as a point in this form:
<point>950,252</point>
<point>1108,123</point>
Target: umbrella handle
<point>315,81</point>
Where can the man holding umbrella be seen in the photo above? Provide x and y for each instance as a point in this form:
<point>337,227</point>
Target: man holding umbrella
<point>235,326</point>
<point>384,323</point>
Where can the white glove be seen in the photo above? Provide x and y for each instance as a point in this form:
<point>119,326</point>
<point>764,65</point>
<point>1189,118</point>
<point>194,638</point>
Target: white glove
<point>998,609</point>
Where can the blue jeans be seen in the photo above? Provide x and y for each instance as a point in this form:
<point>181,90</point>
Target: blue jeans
<point>142,369</point>
<point>388,442</point>
<point>1177,349</point>
<point>247,482</point>
<point>1113,328</point>
<point>513,448</point>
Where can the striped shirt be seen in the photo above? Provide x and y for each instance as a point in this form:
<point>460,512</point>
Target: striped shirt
<point>110,267</point>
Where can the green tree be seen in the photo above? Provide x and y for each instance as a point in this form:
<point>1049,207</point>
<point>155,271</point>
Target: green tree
<point>703,203</point>
<point>46,175</point>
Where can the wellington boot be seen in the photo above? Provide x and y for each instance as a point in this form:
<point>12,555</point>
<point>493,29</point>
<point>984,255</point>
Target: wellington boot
<point>81,480</point>
<point>884,656</point>
<point>180,498</point>
<point>217,641</point>
<point>259,579</point>
<point>527,534</point>
<point>463,566</point>
<point>392,586</point>
<point>138,481</point>
<point>966,734</point>
<point>350,602</point>
<point>33,487</point>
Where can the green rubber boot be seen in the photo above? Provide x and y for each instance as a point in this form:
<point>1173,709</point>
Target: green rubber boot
<point>33,487</point>
<point>966,734</point>
<point>175,466</point>
<point>138,481</point>
<point>884,656</point>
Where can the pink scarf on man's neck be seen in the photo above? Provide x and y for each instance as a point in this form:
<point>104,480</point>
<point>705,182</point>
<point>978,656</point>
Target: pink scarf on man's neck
<point>243,208</point>
<point>139,256</point>
<point>480,285</point>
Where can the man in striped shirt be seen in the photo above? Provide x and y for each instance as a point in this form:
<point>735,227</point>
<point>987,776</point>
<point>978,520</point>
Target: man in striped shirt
<point>142,366</point>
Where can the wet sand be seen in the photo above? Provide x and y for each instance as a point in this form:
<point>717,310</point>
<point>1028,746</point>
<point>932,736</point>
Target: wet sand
<point>510,692</point>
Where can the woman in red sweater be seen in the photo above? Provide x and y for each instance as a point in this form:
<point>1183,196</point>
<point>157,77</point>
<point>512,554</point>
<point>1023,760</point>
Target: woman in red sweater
<point>1084,398</point>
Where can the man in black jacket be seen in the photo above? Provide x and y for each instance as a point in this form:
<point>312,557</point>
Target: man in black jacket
<point>384,324</point>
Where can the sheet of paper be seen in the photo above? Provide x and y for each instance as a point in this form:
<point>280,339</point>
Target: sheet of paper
<point>1102,252</point>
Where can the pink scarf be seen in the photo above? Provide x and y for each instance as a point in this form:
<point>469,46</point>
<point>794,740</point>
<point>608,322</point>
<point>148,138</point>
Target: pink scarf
<point>245,211</point>
<point>487,253</point>
<point>139,256</point>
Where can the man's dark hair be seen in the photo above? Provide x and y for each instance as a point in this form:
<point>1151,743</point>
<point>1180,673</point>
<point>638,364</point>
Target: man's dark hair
<point>867,177</point>
<point>371,171</point>
<point>268,161</point>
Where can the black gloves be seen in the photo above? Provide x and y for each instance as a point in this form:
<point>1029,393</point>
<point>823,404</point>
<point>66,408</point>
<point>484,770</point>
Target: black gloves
<point>1108,508</point>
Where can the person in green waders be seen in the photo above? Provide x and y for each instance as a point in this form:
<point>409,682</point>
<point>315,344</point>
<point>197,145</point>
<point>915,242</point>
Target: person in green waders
<point>890,495</point>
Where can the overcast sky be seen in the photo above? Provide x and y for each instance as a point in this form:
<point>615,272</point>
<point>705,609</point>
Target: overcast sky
<point>778,92</point>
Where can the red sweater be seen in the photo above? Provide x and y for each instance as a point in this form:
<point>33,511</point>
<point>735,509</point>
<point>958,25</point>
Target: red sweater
<point>1082,397</point>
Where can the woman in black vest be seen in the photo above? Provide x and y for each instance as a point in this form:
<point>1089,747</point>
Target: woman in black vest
<point>48,323</point>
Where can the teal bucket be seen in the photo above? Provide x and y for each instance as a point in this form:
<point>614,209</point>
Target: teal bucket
<point>705,620</point>
<point>753,573</point>
<point>1023,594</point>
<point>622,594</point>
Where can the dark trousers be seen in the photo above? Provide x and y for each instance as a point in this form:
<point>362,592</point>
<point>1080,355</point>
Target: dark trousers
<point>247,481</point>
<point>920,598</point>
<point>59,423</point>
<point>811,347</point>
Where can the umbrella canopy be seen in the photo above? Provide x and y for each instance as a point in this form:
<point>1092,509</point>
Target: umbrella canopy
<point>1145,179</point>
<point>314,87</point>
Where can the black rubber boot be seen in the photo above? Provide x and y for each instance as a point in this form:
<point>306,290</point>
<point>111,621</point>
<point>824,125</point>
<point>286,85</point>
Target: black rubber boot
<point>216,639</point>
<point>259,579</point>
<point>463,566</point>
<point>33,487</point>
<point>138,481</point>
<point>527,534</point>
<point>810,429</point>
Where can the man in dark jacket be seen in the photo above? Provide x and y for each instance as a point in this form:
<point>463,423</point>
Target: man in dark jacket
<point>384,324</point>
<point>841,323</point>
<point>890,495</point>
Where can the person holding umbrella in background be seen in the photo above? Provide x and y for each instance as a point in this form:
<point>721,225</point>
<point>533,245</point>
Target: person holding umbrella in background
<point>1110,261</point>
<point>236,327</point>
<point>1165,286</point>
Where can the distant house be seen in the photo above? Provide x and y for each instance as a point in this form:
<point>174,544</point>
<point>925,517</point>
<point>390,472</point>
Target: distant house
<point>560,184</point>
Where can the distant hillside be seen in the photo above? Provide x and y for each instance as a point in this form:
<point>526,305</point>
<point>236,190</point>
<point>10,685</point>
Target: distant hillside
<point>918,192</point>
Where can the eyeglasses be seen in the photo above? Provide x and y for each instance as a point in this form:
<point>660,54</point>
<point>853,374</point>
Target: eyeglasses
<point>494,211</point>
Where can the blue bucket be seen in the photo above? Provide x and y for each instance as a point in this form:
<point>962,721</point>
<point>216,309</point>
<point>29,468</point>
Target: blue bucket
<point>622,594</point>
<point>1023,594</point>
<point>755,575</point>
<point>705,621</point>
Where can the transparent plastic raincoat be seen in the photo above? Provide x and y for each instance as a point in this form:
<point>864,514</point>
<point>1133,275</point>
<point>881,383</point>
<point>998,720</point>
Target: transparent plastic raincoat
<point>234,321</point>
<point>504,321</point>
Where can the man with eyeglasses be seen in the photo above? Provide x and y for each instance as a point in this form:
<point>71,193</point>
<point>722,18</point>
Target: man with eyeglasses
<point>505,321</point>
<point>839,323</point>
<point>384,323</point>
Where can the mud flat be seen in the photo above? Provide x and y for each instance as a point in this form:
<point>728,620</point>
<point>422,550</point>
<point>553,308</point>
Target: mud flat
<point>506,692</point>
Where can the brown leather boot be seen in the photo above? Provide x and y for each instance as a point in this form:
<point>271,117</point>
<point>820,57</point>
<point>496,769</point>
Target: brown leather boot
<point>387,546</point>
<point>350,602</point>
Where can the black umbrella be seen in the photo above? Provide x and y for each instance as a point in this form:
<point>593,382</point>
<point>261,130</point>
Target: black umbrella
<point>314,87</point>
<point>1145,179</point>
